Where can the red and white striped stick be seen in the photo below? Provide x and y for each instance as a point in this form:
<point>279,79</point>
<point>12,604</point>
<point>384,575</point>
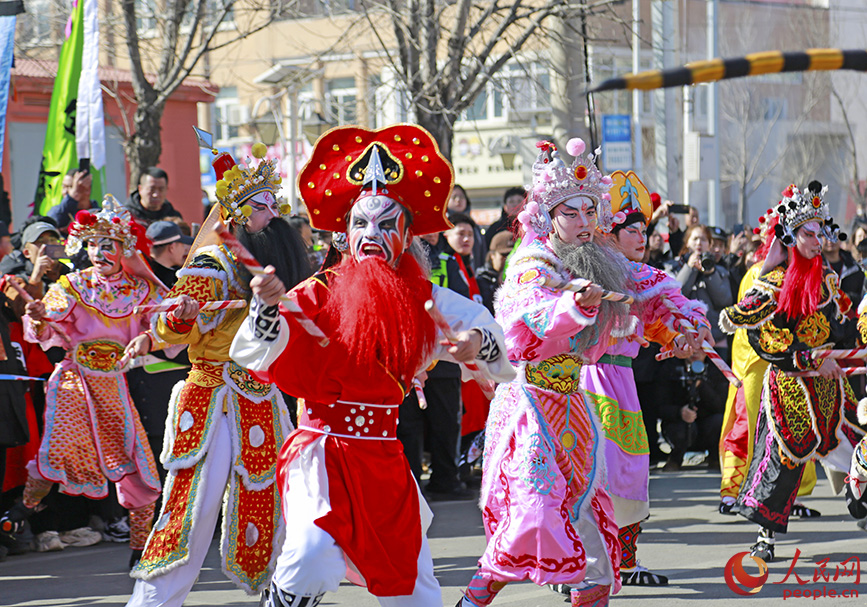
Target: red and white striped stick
<point>665,355</point>
<point>206,306</point>
<point>64,336</point>
<point>685,324</point>
<point>485,384</point>
<point>836,354</point>
<point>419,393</point>
<point>565,285</point>
<point>847,372</point>
<point>253,266</point>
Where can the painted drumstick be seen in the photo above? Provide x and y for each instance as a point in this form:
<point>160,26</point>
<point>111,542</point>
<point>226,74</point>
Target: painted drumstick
<point>253,266</point>
<point>566,285</point>
<point>419,393</point>
<point>485,384</point>
<point>207,306</point>
<point>847,372</point>
<point>686,324</point>
<point>837,354</point>
<point>64,336</point>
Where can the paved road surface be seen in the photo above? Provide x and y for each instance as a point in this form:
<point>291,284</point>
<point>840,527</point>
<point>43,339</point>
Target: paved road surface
<point>685,538</point>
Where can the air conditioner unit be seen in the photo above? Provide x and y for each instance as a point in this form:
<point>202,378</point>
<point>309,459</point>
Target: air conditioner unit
<point>238,115</point>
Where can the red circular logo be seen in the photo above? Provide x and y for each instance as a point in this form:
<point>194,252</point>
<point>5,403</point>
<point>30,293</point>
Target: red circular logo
<point>739,580</point>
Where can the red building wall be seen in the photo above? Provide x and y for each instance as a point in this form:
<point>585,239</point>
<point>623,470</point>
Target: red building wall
<point>30,99</point>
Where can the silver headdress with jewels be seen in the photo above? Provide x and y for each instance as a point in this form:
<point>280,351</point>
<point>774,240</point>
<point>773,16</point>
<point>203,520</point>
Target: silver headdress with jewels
<point>111,221</point>
<point>798,208</point>
<point>554,183</point>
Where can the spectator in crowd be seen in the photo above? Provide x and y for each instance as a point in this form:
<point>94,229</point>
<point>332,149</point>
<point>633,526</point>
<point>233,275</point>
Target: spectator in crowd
<point>702,277</point>
<point>460,242</point>
<point>148,203</point>
<point>440,422</point>
<point>490,276</point>
<point>719,245</point>
<point>5,240</point>
<point>315,251</point>
<point>657,255</point>
<point>37,259</point>
<point>858,232</point>
<point>512,201</point>
<point>692,415</point>
<point>660,210</point>
<point>844,264</point>
<point>460,203</point>
<point>169,249</point>
<point>75,189</point>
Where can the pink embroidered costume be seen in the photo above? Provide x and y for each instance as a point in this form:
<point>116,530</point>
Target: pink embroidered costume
<point>547,514</point>
<point>609,383</point>
<point>93,433</point>
<point>352,505</point>
<point>224,428</point>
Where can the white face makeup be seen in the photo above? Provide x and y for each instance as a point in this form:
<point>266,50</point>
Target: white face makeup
<point>631,240</point>
<point>105,255</point>
<point>807,240</point>
<point>265,208</point>
<point>378,228</point>
<point>575,220</point>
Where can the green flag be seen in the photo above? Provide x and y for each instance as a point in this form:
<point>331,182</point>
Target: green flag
<point>58,154</point>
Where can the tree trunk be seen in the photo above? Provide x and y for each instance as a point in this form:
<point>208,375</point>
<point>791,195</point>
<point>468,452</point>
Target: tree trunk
<point>441,127</point>
<point>144,147</point>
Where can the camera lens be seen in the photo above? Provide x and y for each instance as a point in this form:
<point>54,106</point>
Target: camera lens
<point>707,262</point>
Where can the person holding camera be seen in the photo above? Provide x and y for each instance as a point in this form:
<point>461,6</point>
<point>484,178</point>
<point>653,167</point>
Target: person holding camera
<point>692,418</point>
<point>703,278</point>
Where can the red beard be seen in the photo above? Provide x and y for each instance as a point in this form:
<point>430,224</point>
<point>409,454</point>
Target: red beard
<point>802,286</point>
<point>379,314</point>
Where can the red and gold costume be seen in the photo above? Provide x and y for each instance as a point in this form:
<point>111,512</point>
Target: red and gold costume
<point>223,434</point>
<point>355,508</point>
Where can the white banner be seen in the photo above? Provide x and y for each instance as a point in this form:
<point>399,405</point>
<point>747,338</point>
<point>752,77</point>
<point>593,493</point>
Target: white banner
<point>89,118</point>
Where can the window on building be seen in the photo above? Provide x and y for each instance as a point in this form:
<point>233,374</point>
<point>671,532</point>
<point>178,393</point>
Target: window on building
<point>42,21</point>
<point>229,115</point>
<point>298,9</point>
<point>341,101</point>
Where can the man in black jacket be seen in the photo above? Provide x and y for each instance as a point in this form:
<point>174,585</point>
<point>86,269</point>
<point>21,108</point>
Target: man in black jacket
<point>148,203</point>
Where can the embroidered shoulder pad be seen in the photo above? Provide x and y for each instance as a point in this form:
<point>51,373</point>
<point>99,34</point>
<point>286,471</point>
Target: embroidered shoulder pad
<point>204,261</point>
<point>756,308</point>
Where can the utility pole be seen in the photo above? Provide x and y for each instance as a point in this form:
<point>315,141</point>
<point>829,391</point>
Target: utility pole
<point>665,126</point>
<point>637,152</point>
<point>714,197</point>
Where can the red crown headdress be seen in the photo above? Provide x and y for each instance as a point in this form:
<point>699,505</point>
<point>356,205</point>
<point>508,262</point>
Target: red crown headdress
<point>402,162</point>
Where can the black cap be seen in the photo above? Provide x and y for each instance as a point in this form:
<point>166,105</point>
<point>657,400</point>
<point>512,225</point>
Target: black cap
<point>718,233</point>
<point>166,232</point>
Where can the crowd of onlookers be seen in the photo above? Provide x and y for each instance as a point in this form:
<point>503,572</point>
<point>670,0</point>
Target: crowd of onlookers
<point>684,400</point>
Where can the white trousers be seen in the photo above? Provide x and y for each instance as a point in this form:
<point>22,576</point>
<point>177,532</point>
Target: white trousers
<point>311,563</point>
<point>170,589</point>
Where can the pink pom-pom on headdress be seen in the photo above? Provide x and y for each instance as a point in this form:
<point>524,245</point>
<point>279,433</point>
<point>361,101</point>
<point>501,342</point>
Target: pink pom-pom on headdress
<point>606,179</point>
<point>575,147</point>
<point>606,196</point>
<point>619,218</point>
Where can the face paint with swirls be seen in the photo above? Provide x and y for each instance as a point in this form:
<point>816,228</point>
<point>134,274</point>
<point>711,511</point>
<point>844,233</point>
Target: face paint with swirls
<point>105,255</point>
<point>377,228</point>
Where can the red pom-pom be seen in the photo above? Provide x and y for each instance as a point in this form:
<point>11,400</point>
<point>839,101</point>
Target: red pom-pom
<point>756,231</point>
<point>85,218</point>
<point>762,219</point>
<point>115,220</point>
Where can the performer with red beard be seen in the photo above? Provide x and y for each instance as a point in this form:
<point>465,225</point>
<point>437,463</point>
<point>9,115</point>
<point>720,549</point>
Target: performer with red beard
<point>355,508</point>
<point>793,307</point>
